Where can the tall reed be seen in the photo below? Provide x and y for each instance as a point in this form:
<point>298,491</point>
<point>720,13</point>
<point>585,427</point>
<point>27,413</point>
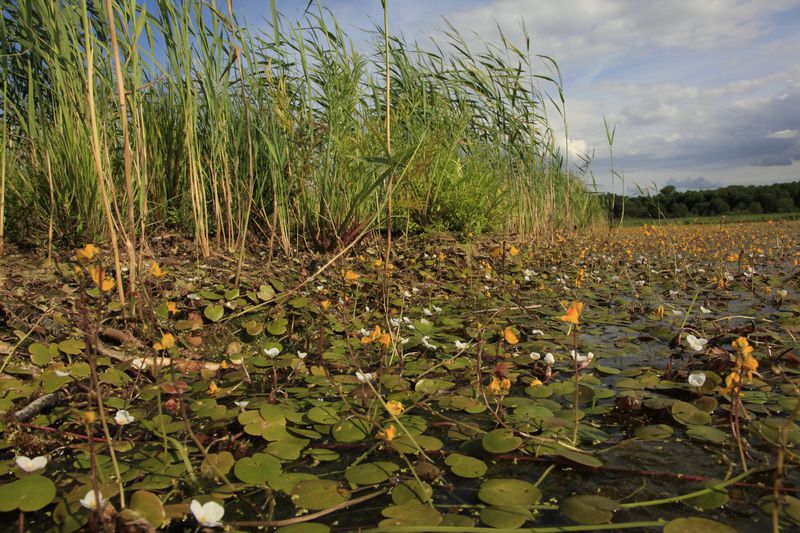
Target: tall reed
<point>292,134</point>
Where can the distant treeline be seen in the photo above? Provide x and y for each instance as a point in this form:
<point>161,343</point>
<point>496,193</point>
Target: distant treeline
<point>736,199</point>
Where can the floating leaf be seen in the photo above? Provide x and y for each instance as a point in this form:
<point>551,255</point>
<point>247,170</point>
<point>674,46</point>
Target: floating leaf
<point>317,494</point>
<point>510,517</point>
<point>501,441</point>
<point>465,466</point>
<point>589,509</point>
<point>694,524</point>
<point>508,492</point>
<point>370,473</point>
<point>410,514</point>
<point>27,494</point>
<point>213,312</point>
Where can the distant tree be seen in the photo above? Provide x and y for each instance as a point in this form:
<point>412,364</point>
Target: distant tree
<point>784,204</point>
<point>678,210</point>
<point>719,206</point>
<point>755,208</point>
<point>702,209</point>
<point>668,190</point>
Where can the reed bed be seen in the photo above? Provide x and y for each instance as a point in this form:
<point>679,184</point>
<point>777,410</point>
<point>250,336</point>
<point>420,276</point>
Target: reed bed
<point>119,121</point>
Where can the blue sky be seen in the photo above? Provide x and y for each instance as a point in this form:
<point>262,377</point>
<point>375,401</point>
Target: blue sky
<point>702,92</point>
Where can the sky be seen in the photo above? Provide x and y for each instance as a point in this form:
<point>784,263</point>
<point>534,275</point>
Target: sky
<point>703,93</point>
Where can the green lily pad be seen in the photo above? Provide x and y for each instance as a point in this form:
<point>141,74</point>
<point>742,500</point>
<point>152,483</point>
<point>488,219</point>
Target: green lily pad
<point>465,466</point>
<point>217,463</point>
<point>654,432</point>
<point>589,509</point>
<point>370,473</point>
<point>688,414</point>
<point>72,346</point>
<point>318,494</point>
<point>411,492</point>
<point>511,517</point>
<point>410,514</point>
<point>41,354</point>
<point>258,469</point>
<point>501,441</point>
<point>27,494</point>
<point>148,506</point>
<point>712,500</point>
<point>213,312</point>
<point>706,433</point>
<point>508,492</point>
<point>693,524</point>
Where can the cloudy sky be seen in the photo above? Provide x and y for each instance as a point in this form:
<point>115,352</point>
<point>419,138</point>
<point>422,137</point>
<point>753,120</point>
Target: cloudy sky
<point>702,92</point>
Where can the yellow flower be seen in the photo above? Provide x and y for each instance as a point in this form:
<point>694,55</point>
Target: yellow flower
<point>742,345</point>
<point>510,336</point>
<point>372,337</point>
<point>385,339</point>
<point>156,271</point>
<point>749,365</point>
<point>378,262</point>
<point>388,434</point>
<point>660,311</point>
<point>167,342</point>
<point>573,313</point>
<point>499,386</point>
<point>89,417</point>
<point>172,308</point>
<point>88,252</point>
<point>351,276</point>
<point>212,389</point>
<point>394,407</point>
<point>730,382</point>
<point>513,251</point>
<point>103,281</point>
<point>325,304</point>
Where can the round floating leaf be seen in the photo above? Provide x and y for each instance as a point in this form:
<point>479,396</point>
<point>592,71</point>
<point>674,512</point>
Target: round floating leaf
<point>370,473</point>
<point>410,514</point>
<point>693,524</point>
<point>411,492</point>
<point>688,414</point>
<point>790,507</point>
<point>254,328</point>
<point>27,494</point>
<point>149,507</point>
<point>654,432</point>
<point>318,494</point>
<point>589,509</point>
<point>505,517</point>
<point>578,457</point>
<point>217,464</point>
<point>71,346</point>
<point>426,442</point>
<point>501,441</point>
<point>508,492</point>
<point>213,312</point>
<point>323,414</point>
<point>711,500</point>
<point>466,466</point>
<point>707,433</point>
<point>456,520</point>
<point>257,469</point>
<point>350,431</point>
<point>287,448</point>
<point>40,354</point>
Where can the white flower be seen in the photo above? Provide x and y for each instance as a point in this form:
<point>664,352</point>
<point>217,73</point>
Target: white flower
<point>404,340</point>
<point>535,356</point>
<point>582,359</point>
<point>91,500</point>
<point>61,373</point>
<point>366,309</point>
<point>427,312</point>
<point>414,290</point>
<point>704,310</point>
<point>697,379</point>
<point>677,312</point>
<point>364,332</point>
<point>394,322</point>
<point>437,309</point>
<point>673,293</point>
<point>537,332</point>
<point>208,514</point>
<point>782,293</point>
<point>242,403</point>
<point>407,294</point>
<point>427,343</point>
<point>302,355</point>
<point>123,417</point>
<point>31,465</point>
<point>363,377</point>
<point>461,345</point>
<point>271,353</point>
<point>549,359</point>
<point>138,363</point>
<point>696,344</point>
<point>406,320</point>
